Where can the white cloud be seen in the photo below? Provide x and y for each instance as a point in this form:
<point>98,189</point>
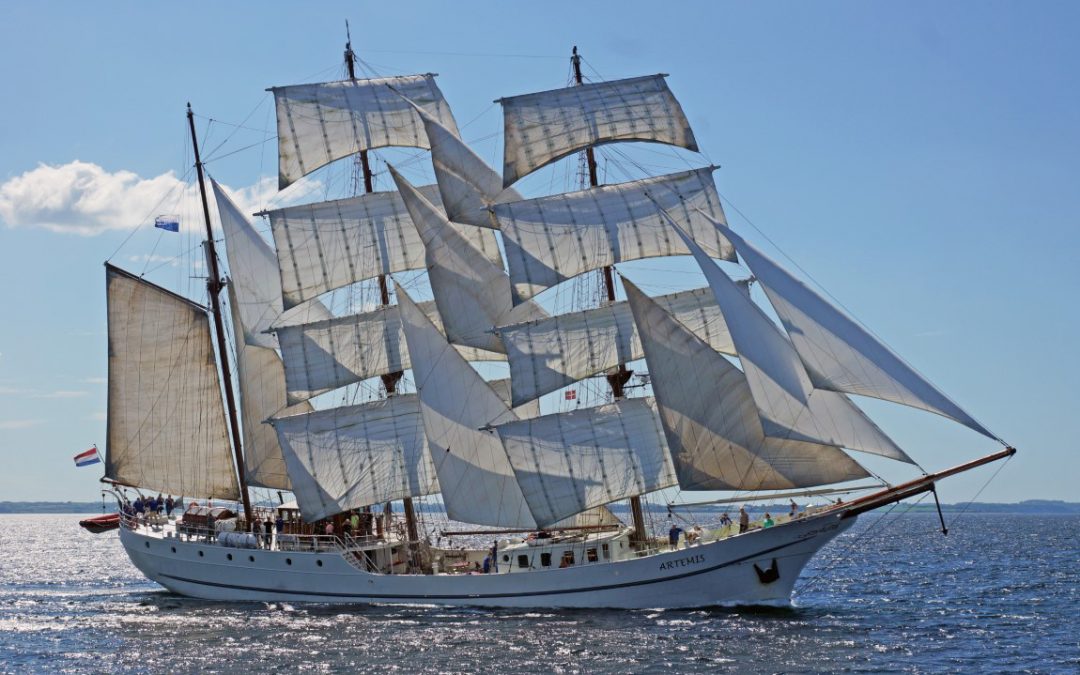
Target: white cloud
<point>94,380</point>
<point>60,394</point>
<point>18,424</point>
<point>85,199</point>
<point>97,417</point>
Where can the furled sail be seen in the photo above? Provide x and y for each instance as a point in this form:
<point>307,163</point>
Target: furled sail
<point>569,462</point>
<point>324,355</point>
<point>468,186</point>
<point>328,245</point>
<point>472,293</point>
<point>708,415</point>
<point>319,123</point>
<point>790,407</point>
<point>478,484</point>
<point>548,125</point>
<point>839,354</point>
<point>551,239</point>
<point>551,353</point>
<point>166,419</point>
<point>358,455</point>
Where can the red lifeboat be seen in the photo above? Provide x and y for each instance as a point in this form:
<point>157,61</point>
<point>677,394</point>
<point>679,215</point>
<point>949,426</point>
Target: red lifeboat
<point>99,524</point>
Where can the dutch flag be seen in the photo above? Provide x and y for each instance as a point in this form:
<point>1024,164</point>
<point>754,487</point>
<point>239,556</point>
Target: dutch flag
<point>87,458</point>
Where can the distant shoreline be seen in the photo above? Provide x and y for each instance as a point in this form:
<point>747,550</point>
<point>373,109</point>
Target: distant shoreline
<point>1030,507</point>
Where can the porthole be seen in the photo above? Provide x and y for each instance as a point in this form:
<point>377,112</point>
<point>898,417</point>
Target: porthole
<point>228,556</point>
<point>319,563</point>
<point>506,558</point>
<point>251,558</point>
<point>147,544</point>
<point>173,549</point>
<point>200,554</point>
<point>288,561</point>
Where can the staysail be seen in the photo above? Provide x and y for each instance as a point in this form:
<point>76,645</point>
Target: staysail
<point>166,418</point>
<point>478,484</point>
<point>839,354</point>
<point>551,353</point>
<point>542,127</point>
<point>551,239</point>
<point>569,462</point>
<point>790,407</point>
<point>319,123</point>
<point>472,294</point>
<point>711,423</point>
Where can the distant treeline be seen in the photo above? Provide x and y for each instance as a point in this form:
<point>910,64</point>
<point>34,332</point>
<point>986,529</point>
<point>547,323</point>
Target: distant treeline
<point>1030,506</point>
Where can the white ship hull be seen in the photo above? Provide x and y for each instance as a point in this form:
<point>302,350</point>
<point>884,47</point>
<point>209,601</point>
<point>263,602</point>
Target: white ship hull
<point>737,570</point>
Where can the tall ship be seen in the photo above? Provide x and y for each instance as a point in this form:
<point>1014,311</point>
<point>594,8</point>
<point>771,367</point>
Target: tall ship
<point>407,467</point>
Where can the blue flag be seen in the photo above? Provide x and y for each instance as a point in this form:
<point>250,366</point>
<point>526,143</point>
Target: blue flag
<point>170,223</point>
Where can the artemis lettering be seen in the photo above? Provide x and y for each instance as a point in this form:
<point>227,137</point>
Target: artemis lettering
<point>683,562</point>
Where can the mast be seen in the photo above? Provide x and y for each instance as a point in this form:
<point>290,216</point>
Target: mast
<point>389,380</point>
<point>214,284</point>
<point>617,378</point>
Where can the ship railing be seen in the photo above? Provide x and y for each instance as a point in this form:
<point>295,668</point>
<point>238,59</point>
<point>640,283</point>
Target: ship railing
<point>310,543</point>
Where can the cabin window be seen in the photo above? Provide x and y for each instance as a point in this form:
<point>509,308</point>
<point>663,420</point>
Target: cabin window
<point>591,556</point>
<point>567,559</point>
<point>288,561</point>
<point>319,563</point>
<point>506,558</point>
<point>200,554</point>
<point>147,544</point>
<point>545,559</point>
<point>606,550</point>
<point>228,556</point>
<point>523,561</point>
<point>173,549</point>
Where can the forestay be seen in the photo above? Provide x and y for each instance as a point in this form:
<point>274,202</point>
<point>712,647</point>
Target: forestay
<point>838,353</point>
<point>324,355</point>
<point>551,239</point>
<point>319,123</point>
<point>569,462</point>
<point>789,405</point>
<point>551,353</point>
<point>478,484</point>
<point>358,455</point>
<point>472,293</point>
<point>708,415</point>
<point>468,186</point>
<point>166,419</point>
<point>328,245</point>
<point>545,126</point>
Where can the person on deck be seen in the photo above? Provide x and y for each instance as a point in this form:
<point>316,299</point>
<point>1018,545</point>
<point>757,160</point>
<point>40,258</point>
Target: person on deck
<point>354,520</point>
<point>673,535</point>
<point>256,529</point>
<point>268,532</point>
<point>169,506</point>
<point>159,504</point>
<point>329,530</point>
<point>279,524</point>
<point>725,520</point>
<point>487,564</point>
<point>768,522</point>
<point>744,520</point>
<point>794,510</point>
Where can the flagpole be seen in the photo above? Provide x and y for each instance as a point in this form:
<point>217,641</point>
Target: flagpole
<point>214,284</point>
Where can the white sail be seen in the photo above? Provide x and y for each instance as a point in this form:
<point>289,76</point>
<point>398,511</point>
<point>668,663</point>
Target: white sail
<point>790,407</point>
<point>166,419</point>
<point>839,354</point>
<point>472,293</point>
<point>358,455</point>
<point>324,355</point>
<point>569,462</point>
<point>468,186</point>
<point>708,414</point>
<point>545,126</point>
<point>332,244</point>
<point>261,380</point>
<point>551,353</point>
<point>319,123</point>
<point>478,484</point>
<point>551,239</point>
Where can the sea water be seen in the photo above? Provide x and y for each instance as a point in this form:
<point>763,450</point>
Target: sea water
<point>998,594</point>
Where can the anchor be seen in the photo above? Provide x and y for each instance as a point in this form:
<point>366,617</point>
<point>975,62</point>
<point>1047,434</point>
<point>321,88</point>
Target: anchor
<point>768,576</point>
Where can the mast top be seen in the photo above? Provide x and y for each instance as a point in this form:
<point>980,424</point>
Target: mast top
<point>350,55</point>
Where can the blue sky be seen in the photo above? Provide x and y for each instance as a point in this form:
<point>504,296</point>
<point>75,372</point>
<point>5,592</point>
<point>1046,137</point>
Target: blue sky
<point>917,159</point>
